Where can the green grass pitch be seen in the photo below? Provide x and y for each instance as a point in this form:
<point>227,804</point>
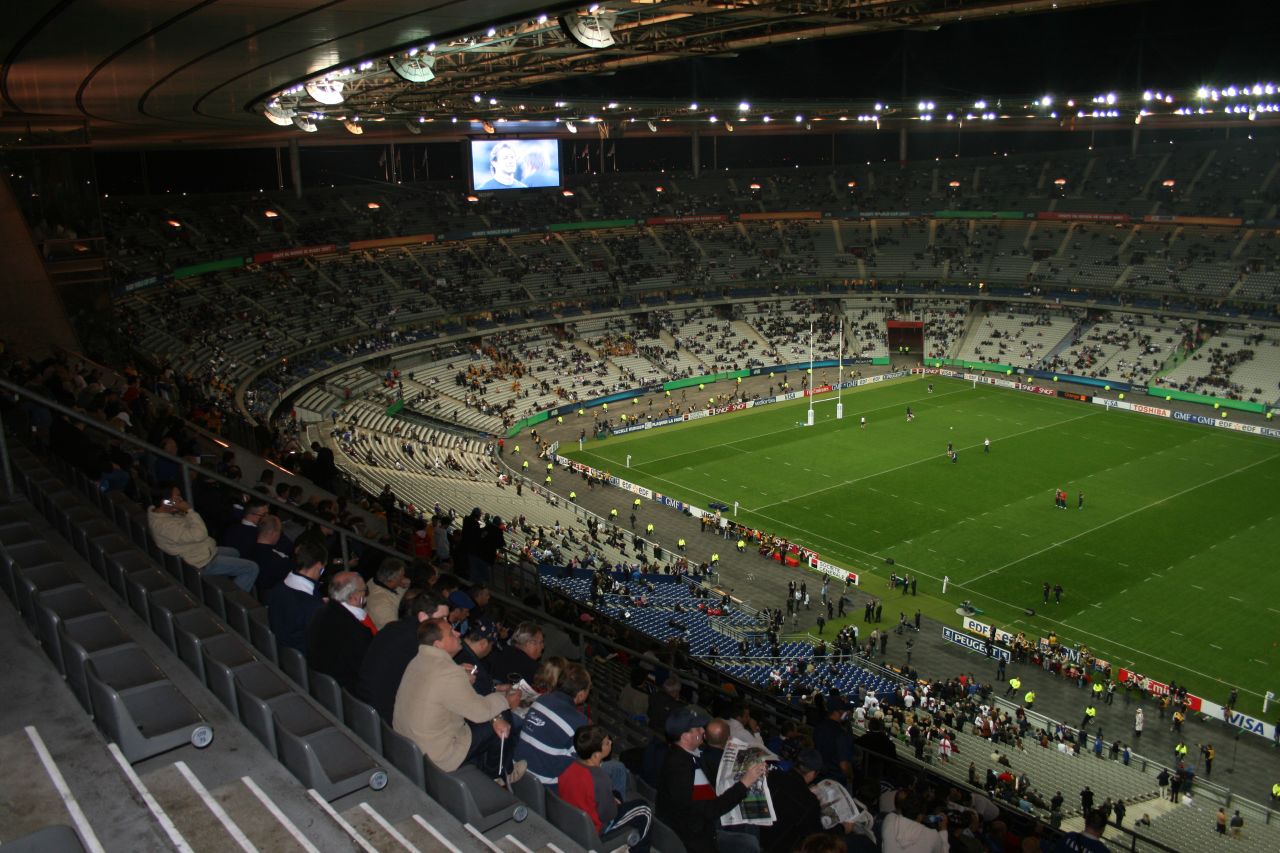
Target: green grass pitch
<point>1167,568</point>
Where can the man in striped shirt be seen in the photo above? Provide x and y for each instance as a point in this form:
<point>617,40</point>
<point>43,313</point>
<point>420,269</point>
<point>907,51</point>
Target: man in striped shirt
<point>546,737</point>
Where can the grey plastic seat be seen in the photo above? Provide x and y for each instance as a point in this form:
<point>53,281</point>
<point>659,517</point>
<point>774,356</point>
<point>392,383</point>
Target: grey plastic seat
<point>213,590</point>
<point>575,823</point>
<point>58,837</point>
<point>190,631</point>
<point>320,755</point>
<point>103,548</point>
<point>258,687</point>
<point>29,578</point>
<point>664,839</point>
<point>164,606</point>
<point>192,579</point>
<point>81,639</point>
<point>261,635</point>
<point>141,585</point>
<point>172,565</point>
<point>362,718</point>
<point>138,708</point>
<point>403,754</point>
<point>532,793</point>
<point>223,655</point>
<point>71,523</point>
<point>61,605</point>
<point>119,565</point>
<point>239,608</point>
<point>294,664</point>
<point>473,797</point>
<point>326,690</point>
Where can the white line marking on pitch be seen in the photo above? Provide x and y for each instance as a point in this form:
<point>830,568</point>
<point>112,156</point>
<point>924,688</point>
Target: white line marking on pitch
<point>1193,586</point>
<point>1124,516</point>
<point>1233,598</point>
<point>1212,646</point>
<point>1176,634</point>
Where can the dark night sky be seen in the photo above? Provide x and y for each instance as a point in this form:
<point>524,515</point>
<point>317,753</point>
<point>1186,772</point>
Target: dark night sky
<point>1174,44</point>
<point>1163,43</point>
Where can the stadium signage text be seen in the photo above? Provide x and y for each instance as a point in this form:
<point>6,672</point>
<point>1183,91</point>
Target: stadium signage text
<point>1157,688</point>
<point>818,564</point>
<point>973,644</point>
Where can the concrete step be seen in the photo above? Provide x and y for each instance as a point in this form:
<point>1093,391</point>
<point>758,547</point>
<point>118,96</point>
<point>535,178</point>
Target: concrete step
<point>194,812</point>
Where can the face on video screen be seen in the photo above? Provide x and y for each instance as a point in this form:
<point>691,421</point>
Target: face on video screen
<point>513,164</point>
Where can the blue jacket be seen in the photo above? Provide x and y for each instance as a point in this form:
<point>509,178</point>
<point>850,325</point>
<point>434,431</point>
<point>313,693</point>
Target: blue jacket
<point>546,738</point>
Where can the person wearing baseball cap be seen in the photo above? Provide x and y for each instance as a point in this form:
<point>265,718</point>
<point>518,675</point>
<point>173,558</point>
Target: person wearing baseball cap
<point>460,607</point>
<point>687,800</point>
<point>477,643</point>
<point>796,810</point>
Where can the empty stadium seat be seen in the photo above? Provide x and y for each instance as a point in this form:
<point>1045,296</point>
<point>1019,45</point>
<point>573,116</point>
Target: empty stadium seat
<point>362,719</point>
<point>223,655</point>
<point>326,690</point>
<point>319,754</point>
<point>81,639</point>
<point>403,754</point>
<point>473,797</point>
<point>575,823</point>
<point>138,708</point>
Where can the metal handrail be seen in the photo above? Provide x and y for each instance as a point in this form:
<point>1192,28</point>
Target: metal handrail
<point>18,392</point>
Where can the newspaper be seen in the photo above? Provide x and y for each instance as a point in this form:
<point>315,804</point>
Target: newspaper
<point>839,806</point>
<point>756,808</point>
<point>527,697</point>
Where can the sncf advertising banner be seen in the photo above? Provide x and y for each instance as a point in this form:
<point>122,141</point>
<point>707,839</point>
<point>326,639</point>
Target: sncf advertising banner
<point>300,252</point>
<point>818,564</point>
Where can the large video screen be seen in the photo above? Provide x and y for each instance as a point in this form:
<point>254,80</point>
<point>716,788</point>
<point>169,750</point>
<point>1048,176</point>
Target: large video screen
<point>514,164</point>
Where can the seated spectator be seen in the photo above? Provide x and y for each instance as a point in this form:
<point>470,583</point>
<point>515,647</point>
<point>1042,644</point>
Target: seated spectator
<point>393,648</point>
<point>179,531</point>
<point>905,831</point>
<point>293,602</point>
<point>242,534</point>
<point>663,702</point>
<point>273,552</point>
<point>546,738</point>
<point>439,710</point>
<point>519,660</point>
<point>796,809</point>
<point>341,631</point>
<point>633,699</point>
<point>476,646</point>
<point>586,785</point>
<point>687,800</point>
<point>389,584</point>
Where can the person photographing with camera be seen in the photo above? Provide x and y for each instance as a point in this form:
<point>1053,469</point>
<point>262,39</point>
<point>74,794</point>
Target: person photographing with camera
<point>179,531</point>
<point>911,830</point>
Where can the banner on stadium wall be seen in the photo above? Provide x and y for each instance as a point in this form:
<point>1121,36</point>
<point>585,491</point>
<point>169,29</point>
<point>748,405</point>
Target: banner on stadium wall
<point>1220,221</point>
<point>1187,397</point>
<point>780,214</point>
<point>395,408</point>
<point>1003,636</point>
<point>143,283</point>
<point>1155,688</point>
<point>392,242</point>
<point>685,220</point>
<point>299,252</point>
<point>1237,720</point>
<point>599,224</point>
<point>820,565</point>
<point>973,644</point>
<point>892,214</point>
<point>209,266</point>
<point>979,214</point>
<point>1060,216</point>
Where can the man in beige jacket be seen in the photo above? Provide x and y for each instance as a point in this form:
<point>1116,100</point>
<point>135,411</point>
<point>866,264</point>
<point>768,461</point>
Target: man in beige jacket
<point>389,584</point>
<point>179,530</point>
<point>438,709</point>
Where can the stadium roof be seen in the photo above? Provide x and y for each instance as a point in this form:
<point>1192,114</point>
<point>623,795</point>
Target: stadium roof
<point>156,71</point>
<point>151,72</point>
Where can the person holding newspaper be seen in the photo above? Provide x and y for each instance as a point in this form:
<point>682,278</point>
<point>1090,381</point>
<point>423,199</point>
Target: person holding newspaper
<point>687,800</point>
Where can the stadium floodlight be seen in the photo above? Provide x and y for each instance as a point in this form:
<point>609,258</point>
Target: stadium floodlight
<point>353,126</point>
<point>305,124</point>
<point>416,67</point>
<point>328,92</point>
<point>593,30</point>
<point>744,107</point>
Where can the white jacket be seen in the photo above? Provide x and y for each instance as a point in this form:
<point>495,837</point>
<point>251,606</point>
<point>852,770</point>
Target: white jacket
<point>903,835</point>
